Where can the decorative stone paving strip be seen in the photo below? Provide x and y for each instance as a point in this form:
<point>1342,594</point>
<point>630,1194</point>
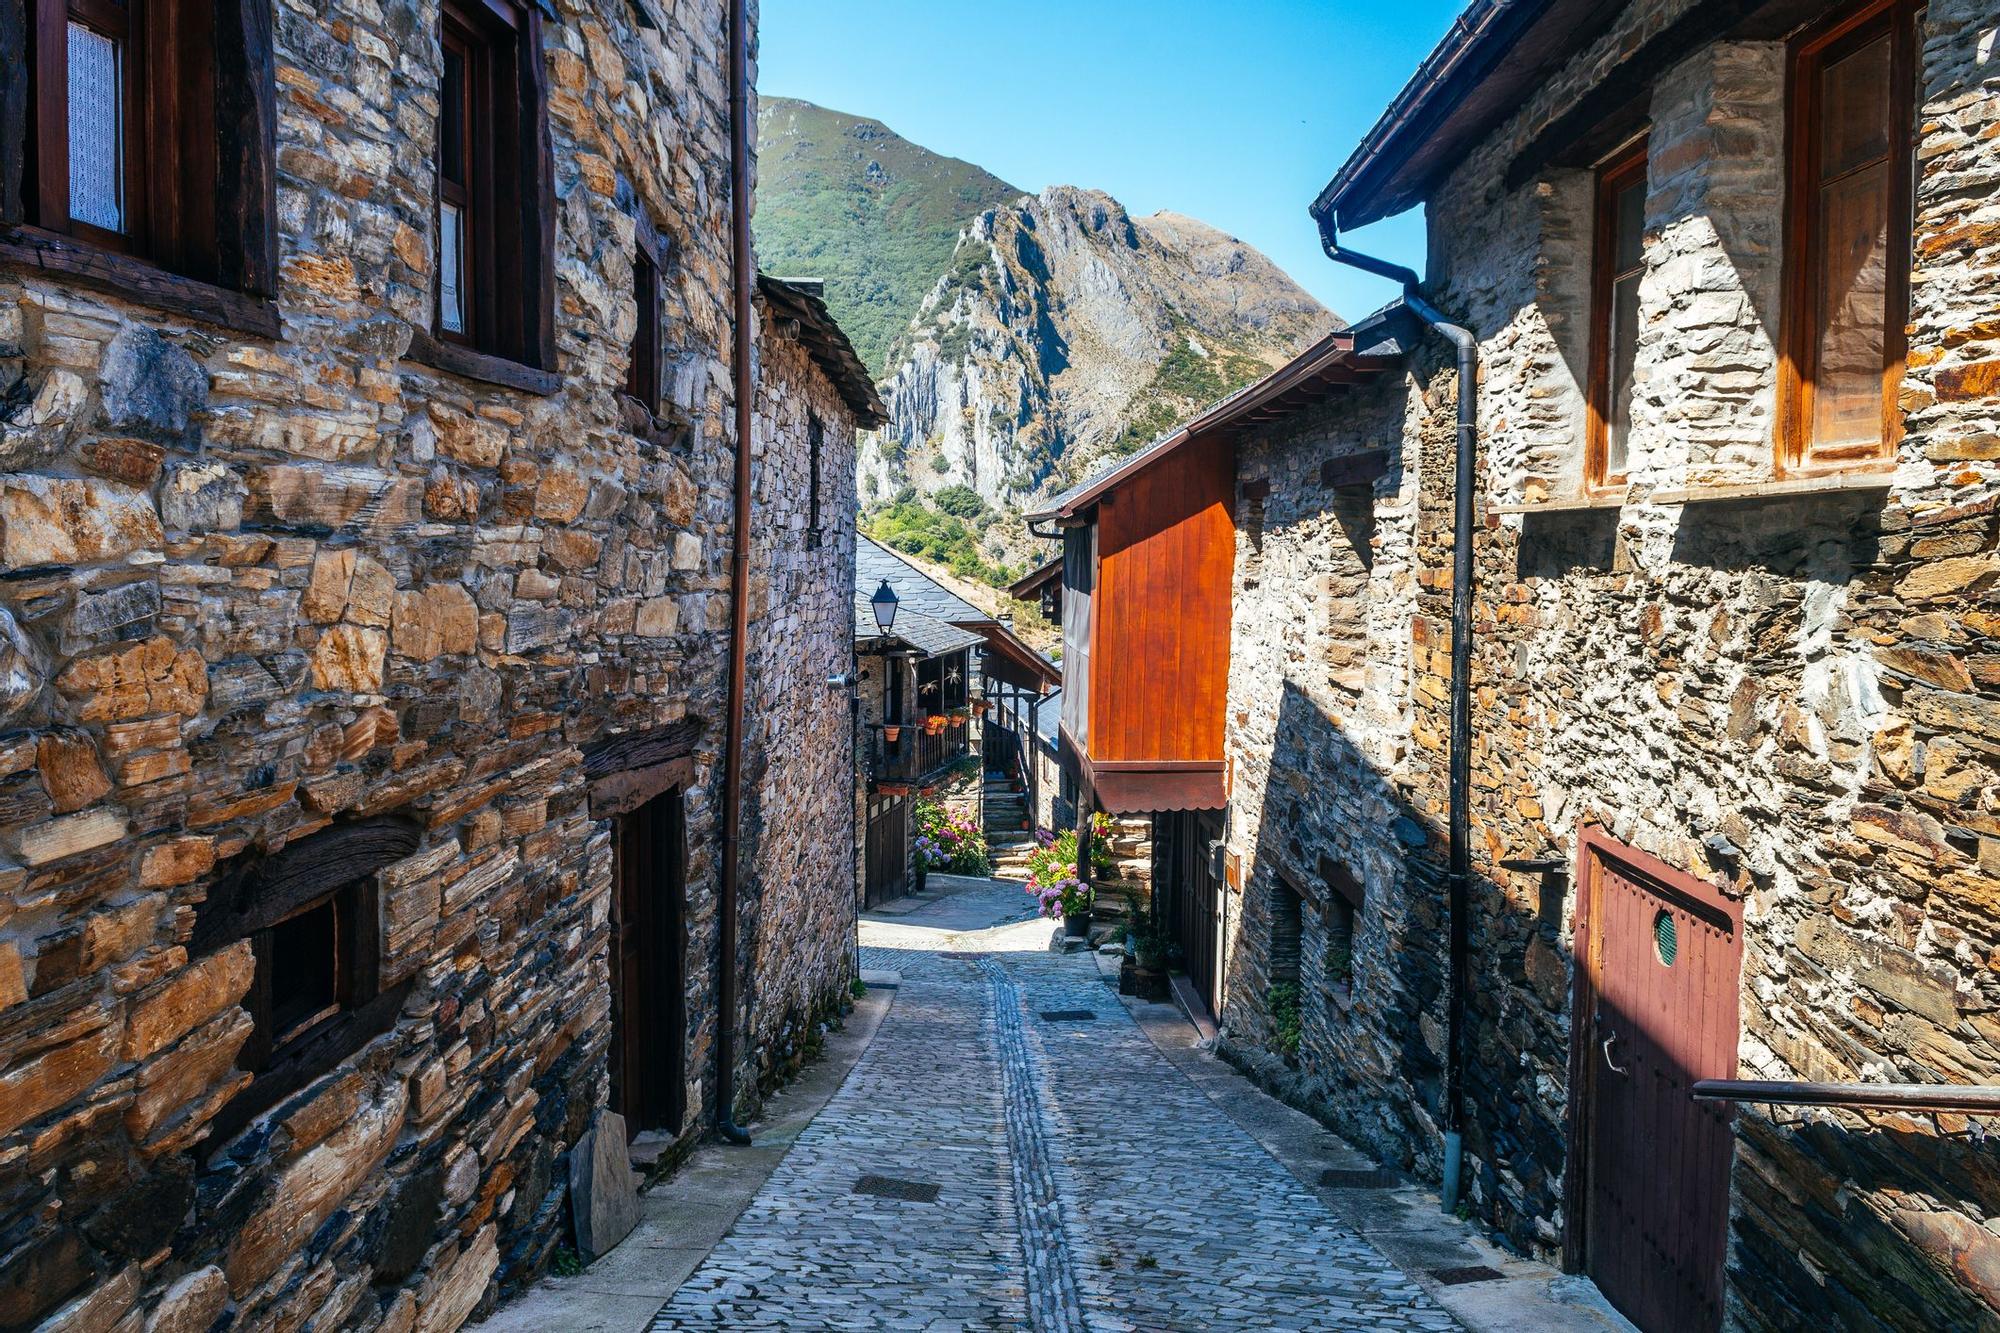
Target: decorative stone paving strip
<point>1053,1304</point>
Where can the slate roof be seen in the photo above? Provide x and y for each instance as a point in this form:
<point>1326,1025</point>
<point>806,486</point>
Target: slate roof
<point>1496,54</point>
<point>1048,717</point>
<point>874,562</point>
<point>927,634</point>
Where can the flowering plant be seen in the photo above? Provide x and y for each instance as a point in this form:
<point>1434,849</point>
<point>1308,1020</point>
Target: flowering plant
<point>1068,896</point>
<point>934,724</point>
<point>1055,854</point>
<point>949,842</point>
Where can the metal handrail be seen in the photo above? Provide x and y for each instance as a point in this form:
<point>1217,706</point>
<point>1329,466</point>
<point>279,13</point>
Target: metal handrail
<point>1921,1097</point>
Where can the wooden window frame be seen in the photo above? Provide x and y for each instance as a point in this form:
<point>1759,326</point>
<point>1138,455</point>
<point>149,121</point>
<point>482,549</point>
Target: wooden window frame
<point>200,171</point>
<point>508,220</point>
<point>1799,322</point>
<point>1614,176</point>
<point>255,896</point>
<point>357,950</point>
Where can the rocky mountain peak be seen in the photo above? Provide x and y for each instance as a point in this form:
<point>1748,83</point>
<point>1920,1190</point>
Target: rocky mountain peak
<point>1065,331</point>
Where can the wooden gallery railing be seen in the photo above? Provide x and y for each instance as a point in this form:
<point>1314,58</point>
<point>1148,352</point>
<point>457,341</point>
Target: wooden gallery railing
<point>916,756</point>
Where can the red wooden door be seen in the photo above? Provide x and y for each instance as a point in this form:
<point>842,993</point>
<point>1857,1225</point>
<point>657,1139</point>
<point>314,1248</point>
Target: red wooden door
<point>1662,953</point>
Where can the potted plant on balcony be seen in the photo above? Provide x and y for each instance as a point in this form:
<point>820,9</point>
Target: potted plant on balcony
<point>979,707</point>
<point>892,732</point>
<point>935,724</point>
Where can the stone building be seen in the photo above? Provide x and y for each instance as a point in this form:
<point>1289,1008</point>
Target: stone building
<point>1733,707</point>
<point>367,535</point>
<point>799,915</point>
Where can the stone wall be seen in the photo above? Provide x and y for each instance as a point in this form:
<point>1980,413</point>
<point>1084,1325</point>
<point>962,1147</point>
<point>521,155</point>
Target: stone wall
<point>1790,697</point>
<point>1320,729</point>
<point>799,914</point>
<point>257,589</point>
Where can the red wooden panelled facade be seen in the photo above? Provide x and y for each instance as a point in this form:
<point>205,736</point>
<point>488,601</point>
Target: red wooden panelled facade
<point>1158,650</point>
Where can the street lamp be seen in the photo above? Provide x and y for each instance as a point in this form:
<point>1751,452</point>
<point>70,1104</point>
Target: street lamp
<point>884,604</point>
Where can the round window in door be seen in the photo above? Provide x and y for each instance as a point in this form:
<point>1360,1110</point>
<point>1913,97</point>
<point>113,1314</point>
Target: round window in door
<point>1666,937</point>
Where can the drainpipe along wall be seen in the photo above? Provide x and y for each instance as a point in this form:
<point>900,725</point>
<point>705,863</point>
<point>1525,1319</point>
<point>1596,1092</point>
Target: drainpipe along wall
<point>742,275</point>
<point>1459,871</point>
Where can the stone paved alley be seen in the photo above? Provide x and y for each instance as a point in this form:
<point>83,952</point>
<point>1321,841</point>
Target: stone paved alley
<point>1082,1181</point>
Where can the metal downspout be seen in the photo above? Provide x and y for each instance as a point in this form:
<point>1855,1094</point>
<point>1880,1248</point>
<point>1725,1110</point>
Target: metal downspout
<point>743,276</point>
<point>1459,783</point>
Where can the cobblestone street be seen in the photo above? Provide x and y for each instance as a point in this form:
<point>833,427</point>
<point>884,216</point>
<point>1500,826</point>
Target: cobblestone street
<point>1081,1181</point>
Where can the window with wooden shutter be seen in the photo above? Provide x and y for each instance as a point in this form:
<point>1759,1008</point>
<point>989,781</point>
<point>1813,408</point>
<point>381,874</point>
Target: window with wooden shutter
<point>493,292</point>
<point>1617,263</point>
<point>137,151</point>
<point>1848,236</point>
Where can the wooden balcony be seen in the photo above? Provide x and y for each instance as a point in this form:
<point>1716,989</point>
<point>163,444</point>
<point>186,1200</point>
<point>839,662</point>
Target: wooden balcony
<point>916,758</point>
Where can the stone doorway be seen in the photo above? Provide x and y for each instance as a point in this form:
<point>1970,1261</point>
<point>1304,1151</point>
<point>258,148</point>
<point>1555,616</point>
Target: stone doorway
<point>648,967</point>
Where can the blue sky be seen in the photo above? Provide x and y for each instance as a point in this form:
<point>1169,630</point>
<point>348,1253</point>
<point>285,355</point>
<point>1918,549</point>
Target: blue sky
<point>1236,112</point>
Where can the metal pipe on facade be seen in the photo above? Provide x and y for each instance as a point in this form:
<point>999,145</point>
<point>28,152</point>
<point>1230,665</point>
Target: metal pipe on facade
<point>744,277</point>
<point>1459,781</point>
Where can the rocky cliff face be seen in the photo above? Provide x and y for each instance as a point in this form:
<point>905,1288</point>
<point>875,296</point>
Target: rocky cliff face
<point>1066,331</point>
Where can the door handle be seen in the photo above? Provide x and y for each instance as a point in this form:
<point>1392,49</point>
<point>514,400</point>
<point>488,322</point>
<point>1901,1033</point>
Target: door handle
<point>1609,1062</point>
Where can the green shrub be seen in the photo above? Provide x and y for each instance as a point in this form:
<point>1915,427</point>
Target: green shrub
<point>1284,1005</point>
<point>960,502</point>
<point>914,527</point>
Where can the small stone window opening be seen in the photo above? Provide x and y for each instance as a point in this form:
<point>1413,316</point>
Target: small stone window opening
<point>1343,904</point>
<point>1618,262</point>
<point>491,289</point>
<point>1354,510</point>
<point>1287,933</point>
<point>1847,242</point>
<point>311,915</point>
<point>309,970</point>
<point>643,377</point>
<point>815,442</point>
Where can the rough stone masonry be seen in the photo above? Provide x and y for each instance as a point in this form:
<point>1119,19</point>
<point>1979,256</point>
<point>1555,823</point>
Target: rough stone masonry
<point>256,592</point>
<point>1793,697</point>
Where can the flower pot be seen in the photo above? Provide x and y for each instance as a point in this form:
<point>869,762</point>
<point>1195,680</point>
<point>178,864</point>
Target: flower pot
<point>892,734</point>
<point>922,875</point>
<point>1151,983</point>
<point>1077,924</point>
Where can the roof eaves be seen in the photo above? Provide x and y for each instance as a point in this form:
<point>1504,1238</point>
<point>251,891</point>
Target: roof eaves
<point>802,299</point>
<point>1476,76</point>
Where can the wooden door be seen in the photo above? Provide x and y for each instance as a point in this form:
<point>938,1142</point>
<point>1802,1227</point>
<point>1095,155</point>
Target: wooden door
<point>887,855</point>
<point>648,961</point>
<point>1194,894</point>
<point>1657,1011</point>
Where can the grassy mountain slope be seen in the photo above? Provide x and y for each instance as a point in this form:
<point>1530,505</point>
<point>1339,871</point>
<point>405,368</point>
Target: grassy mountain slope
<point>845,199</point>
